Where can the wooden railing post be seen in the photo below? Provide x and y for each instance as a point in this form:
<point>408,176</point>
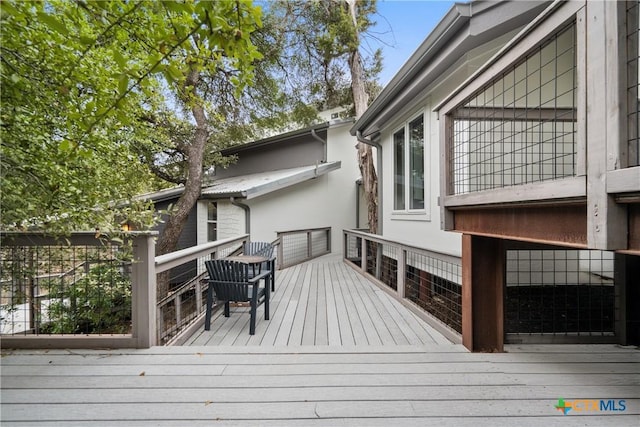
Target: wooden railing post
<point>309,245</point>
<point>402,268</point>
<point>363,250</point>
<point>143,292</point>
<point>280,252</point>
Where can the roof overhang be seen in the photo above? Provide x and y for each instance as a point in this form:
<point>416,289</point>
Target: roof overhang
<point>275,139</point>
<point>465,27</point>
<point>258,184</point>
<point>249,186</point>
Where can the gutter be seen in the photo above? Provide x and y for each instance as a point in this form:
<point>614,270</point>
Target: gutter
<point>247,214</point>
<point>315,136</point>
<point>458,16</point>
<point>378,147</point>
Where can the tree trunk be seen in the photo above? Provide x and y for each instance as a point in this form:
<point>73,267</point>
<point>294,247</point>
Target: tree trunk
<point>360,101</point>
<point>168,240</point>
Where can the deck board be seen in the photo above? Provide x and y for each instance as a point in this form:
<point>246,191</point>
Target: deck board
<point>373,363</point>
<point>323,302</point>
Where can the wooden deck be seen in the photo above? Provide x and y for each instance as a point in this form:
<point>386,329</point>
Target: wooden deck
<point>299,376</point>
<point>322,302</point>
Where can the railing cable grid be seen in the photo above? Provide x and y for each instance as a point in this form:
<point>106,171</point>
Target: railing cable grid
<point>429,280</point>
<point>187,290</point>
<point>633,80</point>
<point>560,293</point>
<point>68,290</point>
<point>298,246</point>
<point>520,127</point>
<point>433,284</point>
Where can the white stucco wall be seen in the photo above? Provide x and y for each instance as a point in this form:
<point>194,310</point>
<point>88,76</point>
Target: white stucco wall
<point>327,201</point>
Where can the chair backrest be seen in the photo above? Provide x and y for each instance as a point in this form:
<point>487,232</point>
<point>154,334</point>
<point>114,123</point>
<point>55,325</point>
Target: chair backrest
<point>258,248</point>
<point>229,279</point>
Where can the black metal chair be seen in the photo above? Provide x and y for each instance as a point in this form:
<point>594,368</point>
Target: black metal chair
<point>231,281</point>
<point>264,249</point>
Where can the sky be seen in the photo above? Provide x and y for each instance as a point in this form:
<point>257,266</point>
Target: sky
<point>402,25</point>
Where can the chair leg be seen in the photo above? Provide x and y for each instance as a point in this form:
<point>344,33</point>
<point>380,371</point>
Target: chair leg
<point>226,309</point>
<point>207,316</point>
<point>267,297</point>
<point>252,322</point>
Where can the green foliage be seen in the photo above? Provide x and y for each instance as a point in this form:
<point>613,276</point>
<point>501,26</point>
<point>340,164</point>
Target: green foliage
<point>316,37</point>
<point>80,81</point>
<point>98,303</point>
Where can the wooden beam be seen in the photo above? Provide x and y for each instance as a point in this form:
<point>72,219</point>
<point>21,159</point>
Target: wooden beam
<point>564,225</point>
<point>510,114</point>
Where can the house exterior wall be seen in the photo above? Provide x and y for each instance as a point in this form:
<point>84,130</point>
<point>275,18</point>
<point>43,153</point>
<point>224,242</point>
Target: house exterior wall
<point>423,228</point>
<point>328,200</point>
<point>189,234</point>
<point>294,152</point>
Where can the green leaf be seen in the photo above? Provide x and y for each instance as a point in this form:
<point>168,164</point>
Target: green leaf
<point>123,84</point>
<point>7,8</point>
<point>53,23</point>
<point>120,60</point>
<point>87,41</point>
<point>174,71</point>
<point>65,146</point>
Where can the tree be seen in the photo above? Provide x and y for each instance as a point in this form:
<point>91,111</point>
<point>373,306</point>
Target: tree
<point>83,83</point>
<point>328,67</point>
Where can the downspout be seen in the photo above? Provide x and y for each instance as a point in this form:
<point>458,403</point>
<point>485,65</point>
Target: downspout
<point>324,145</point>
<point>247,214</point>
<point>358,205</point>
<point>378,148</point>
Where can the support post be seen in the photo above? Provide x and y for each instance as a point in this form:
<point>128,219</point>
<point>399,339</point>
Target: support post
<point>363,250</point>
<point>482,294</point>
<point>402,263</point>
<point>144,292</point>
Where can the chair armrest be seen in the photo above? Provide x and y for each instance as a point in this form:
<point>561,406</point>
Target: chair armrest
<point>256,278</point>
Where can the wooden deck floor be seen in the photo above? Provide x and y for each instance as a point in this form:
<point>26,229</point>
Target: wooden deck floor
<point>322,302</point>
<point>342,379</point>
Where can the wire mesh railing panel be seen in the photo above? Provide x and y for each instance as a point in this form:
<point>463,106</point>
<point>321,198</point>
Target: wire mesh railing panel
<point>353,249</point>
<point>294,248</point>
<point>64,289</point>
<point>431,280</point>
<point>319,243</point>
<point>298,246</point>
<point>560,292</point>
<point>182,292</point>
<point>633,81</point>
<point>434,285</point>
<point>521,127</point>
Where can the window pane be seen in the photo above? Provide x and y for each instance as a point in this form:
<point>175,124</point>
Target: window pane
<point>398,172</point>
<point>416,163</point>
<point>212,231</point>
<point>212,211</point>
<point>212,221</point>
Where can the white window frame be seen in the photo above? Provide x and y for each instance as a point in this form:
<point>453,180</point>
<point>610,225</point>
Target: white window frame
<point>407,212</point>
